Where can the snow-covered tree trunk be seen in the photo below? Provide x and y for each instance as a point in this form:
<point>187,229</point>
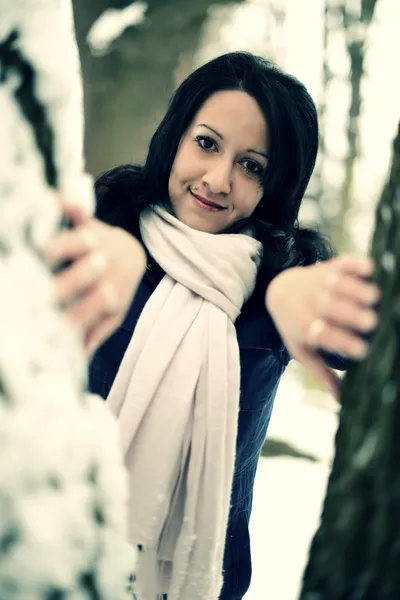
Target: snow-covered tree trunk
<point>355,554</point>
<point>62,483</point>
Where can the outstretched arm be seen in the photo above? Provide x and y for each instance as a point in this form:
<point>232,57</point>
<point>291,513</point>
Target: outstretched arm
<point>329,306</point>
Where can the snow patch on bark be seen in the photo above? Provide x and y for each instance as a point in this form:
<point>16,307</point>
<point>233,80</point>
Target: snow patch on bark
<point>111,24</point>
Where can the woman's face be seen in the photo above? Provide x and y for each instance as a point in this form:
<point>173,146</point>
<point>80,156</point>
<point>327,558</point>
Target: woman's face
<point>217,173</point>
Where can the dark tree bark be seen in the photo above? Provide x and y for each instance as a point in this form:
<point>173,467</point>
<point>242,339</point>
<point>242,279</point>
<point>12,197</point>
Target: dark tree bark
<point>127,90</point>
<point>355,554</point>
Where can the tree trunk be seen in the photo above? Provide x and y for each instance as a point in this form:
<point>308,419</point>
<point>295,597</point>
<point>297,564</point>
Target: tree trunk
<point>126,91</point>
<point>321,196</point>
<point>62,483</point>
<point>355,554</point>
<point>356,20</point>
<point>276,31</point>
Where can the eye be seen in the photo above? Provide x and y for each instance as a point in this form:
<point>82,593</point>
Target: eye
<point>206,143</point>
<point>252,167</point>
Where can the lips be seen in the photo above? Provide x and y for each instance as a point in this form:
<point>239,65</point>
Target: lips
<point>207,204</point>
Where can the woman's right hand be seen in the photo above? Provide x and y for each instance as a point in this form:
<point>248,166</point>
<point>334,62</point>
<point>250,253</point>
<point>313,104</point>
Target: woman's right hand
<point>107,265</point>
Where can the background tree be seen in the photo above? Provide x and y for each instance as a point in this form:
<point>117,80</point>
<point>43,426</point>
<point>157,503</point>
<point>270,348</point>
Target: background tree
<point>276,49</point>
<point>355,554</point>
<point>319,193</point>
<point>126,91</point>
<point>357,17</point>
<point>332,204</point>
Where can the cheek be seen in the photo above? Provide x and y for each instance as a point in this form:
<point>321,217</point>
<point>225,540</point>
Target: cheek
<point>174,182</point>
<point>179,171</point>
<point>250,199</point>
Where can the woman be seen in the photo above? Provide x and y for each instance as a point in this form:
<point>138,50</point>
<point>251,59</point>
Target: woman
<point>231,287</point>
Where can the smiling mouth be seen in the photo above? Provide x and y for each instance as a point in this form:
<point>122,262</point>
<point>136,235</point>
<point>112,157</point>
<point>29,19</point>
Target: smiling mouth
<point>206,204</point>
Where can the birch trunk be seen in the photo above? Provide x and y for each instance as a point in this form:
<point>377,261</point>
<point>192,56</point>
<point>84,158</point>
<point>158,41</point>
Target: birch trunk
<point>357,17</point>
<point>62,484</point>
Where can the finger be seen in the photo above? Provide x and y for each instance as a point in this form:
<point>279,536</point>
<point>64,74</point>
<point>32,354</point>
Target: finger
<point>80,276</point>
<point>100,302</point>
<point>322,373</point>
<point>337,340</point>
<point>70,245</point>
<point>362,266</point>
<point>345,313</point>
<point>355,289</point>
<point>98,333</point>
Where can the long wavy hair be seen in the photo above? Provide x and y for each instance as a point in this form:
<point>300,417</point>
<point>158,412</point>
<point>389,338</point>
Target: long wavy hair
<point>123,192</point>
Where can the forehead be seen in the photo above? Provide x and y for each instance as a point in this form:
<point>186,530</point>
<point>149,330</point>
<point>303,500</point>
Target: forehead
<point>237,116</point>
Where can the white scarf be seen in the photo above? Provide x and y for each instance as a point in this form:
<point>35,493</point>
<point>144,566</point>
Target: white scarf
<point>176,396</point>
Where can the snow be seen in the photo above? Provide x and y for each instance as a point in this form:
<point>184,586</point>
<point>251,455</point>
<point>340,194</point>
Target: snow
<point>111,24</point>
<point>366,451</point>
<point>287,501</point>
<point>386,213</point>
<point>388,262</point>
<point>289,492</point>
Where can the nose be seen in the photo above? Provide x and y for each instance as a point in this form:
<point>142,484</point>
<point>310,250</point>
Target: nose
<point>218,178</point>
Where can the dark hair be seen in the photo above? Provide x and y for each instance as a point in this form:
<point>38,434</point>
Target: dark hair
<point>290,112</point>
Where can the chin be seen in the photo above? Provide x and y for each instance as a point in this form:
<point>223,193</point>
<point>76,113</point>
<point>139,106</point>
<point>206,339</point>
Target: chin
<point>198,223</point>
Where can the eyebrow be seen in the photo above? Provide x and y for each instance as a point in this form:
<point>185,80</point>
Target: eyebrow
<point>263,154</point>
<point>212,129</point>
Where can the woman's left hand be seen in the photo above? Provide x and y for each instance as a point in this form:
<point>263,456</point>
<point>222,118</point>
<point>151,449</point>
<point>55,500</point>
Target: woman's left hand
<point>105,267</point>
<point>330,306</point>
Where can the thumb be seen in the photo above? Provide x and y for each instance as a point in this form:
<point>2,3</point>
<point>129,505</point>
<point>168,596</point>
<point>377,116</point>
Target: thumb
<point>322,373</point>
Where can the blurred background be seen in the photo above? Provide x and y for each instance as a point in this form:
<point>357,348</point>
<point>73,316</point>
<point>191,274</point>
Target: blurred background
<point>347,53</point>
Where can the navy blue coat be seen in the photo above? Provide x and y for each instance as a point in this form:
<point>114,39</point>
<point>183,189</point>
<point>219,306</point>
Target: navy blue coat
<point>263,359</point>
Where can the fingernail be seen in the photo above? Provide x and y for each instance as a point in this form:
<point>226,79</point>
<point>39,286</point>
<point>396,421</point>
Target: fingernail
<point>89,238</point>
<point>374,295</point>
<point>368,266</point>
<point>370,321</point>
<point>360,349</point>
<point>111,298</point>
<point>316,328</point>
<point>98,262</point>
<point>332,278</point>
